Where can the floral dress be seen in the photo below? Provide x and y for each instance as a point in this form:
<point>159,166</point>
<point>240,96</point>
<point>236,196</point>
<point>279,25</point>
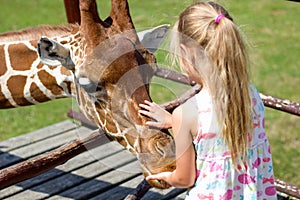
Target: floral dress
<point>216,177</point>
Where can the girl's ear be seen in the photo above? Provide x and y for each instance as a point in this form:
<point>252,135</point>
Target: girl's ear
<point>188,62</point>
<point>187,54</point>
<point>186,58</point>
<point>184,50</point>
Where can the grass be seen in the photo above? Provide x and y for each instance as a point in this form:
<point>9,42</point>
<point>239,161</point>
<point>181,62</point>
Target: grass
<point>271,27</point>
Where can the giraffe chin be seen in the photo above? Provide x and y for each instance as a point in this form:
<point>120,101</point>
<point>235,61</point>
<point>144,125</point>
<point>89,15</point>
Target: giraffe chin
<point>153,183</point>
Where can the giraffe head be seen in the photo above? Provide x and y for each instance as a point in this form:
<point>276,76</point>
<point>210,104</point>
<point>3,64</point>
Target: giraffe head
<point>113,70</point>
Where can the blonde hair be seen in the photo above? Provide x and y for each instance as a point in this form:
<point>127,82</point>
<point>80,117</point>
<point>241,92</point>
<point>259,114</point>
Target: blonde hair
<point>218,55</point>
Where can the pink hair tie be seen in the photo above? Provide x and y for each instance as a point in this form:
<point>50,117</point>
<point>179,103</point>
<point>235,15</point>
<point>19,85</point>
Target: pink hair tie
<point>218,18</point>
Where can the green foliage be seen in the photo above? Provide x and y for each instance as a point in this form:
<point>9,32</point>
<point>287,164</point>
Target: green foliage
<point>271,26</point>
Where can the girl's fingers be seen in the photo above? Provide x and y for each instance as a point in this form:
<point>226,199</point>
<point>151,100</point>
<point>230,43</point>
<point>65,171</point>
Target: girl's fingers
<point>146,107</point>
<point>152,177</point>
<point>160,178</point>
<point>154,124</point>
<point>145,112</point>
<point>147,102</point>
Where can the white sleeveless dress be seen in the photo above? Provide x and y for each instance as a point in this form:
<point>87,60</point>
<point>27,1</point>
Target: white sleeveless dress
<point>216,177</point>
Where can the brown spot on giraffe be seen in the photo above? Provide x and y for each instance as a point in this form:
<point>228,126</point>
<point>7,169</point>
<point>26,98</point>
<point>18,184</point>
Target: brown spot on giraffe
<point>63,70</point>
<point>3,100</point>
<point>40,66</point>
<point>64,42</point>
<point>46,80</point>
<point>3,67</point>
<point>16,86</point>
<point>36,93</point>
<point>22,63</point>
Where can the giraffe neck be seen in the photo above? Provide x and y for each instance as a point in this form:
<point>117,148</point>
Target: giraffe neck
<point>112,117</point>
<point>24,80</point>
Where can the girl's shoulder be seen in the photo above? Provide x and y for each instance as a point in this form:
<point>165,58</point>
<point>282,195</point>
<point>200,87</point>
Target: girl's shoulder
<point>187,110</point>
<point>187,115</point>
<point>203,99</point>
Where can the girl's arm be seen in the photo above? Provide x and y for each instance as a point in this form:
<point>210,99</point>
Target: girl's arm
<point>183,125</point>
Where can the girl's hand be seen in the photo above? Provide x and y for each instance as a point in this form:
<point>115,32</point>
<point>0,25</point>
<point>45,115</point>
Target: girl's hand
<point>161,118</point>
<point>162,177</point>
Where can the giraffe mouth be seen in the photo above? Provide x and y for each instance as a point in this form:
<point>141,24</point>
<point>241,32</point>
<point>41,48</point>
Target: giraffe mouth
<point>153,183</point>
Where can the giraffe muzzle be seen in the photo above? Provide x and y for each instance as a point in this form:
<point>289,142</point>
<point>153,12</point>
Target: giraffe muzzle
<point>52,53</point>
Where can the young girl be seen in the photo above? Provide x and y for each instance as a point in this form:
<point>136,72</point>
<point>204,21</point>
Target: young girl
<point>222,151</point>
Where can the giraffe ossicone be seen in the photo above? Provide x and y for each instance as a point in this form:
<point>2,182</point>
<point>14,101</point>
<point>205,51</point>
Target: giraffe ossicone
<point>112,73</point>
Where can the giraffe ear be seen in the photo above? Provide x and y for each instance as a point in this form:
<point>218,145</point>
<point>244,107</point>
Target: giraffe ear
<point>53,54</point>
<point>153,38</point>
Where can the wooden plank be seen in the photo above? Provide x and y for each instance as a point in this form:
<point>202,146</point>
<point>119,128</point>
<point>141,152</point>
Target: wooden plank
<point>121,191</point>
<point>36,136</point>
<point>26,140</point>
<point>79,161</point>
<point>170,193</point>
<point>39,147</point>
<point>179,197</point>
<point>74,178</point>
<point>101,183</point>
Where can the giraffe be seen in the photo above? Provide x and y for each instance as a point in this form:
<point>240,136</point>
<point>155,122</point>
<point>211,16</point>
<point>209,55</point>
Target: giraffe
<point>24,80</point>
<point>112,72</point>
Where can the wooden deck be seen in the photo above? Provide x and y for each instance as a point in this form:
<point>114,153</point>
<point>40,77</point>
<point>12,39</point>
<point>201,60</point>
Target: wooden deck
<point>105,172</point>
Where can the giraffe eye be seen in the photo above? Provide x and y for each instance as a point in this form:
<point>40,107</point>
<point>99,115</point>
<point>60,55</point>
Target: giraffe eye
<point>159,149</point>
